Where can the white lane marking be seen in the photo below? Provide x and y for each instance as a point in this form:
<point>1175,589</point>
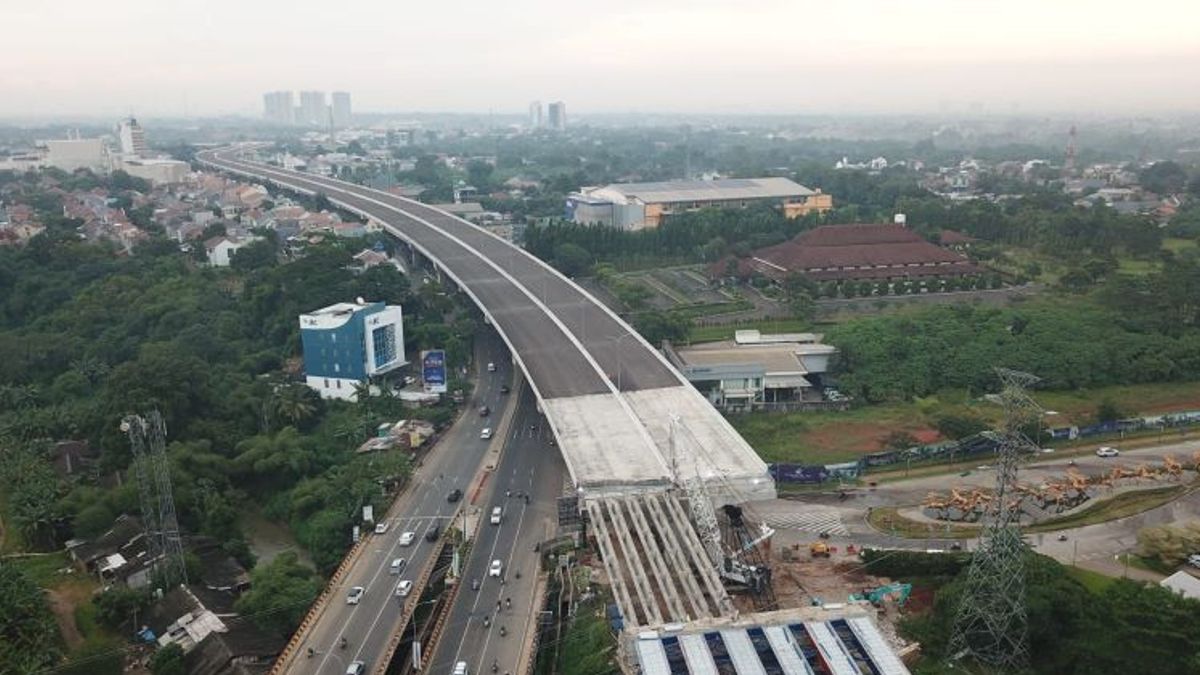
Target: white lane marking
<point>337,638</point>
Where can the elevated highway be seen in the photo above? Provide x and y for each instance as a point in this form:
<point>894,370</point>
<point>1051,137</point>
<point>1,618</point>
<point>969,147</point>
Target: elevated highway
<point>625,420</point>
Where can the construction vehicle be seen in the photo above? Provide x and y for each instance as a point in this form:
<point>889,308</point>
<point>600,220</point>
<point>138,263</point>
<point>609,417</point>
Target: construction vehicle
<point>818,549</point>
<point>876,596</point>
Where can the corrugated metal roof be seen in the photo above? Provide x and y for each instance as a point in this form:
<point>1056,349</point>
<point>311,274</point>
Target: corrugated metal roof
<point>695,652</point>
<point>784,646</point>
<point>710,190</point>
<point>877,650</point>
<point>653,657</point>
<point>831,648</point>
<point>742,652</point>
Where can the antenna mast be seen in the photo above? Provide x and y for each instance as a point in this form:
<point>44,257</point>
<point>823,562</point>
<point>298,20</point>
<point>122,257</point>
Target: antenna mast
<point>992,625</point>
<point>148,439</point>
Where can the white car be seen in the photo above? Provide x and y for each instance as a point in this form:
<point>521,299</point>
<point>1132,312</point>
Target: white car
<point>491,367</point>
<point>398,566</point>
<point>356,668</point>
<point>381,528</point>
<point>403,588</point>
<point>460,668</point>
<point>406,539</point>
<point>496,568</point>
<point>1108,452</point>
<point>486,433</point>
<point>355,595</point>
<point>497,514</point>
<point>1194,560</point>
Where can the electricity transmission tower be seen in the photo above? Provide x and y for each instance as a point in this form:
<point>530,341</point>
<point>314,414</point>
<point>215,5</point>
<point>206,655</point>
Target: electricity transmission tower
<point>148,438</point>
<point>991,626</point>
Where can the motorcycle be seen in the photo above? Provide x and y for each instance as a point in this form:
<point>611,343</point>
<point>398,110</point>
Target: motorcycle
<point>342,643</point>
<point>503,632</point>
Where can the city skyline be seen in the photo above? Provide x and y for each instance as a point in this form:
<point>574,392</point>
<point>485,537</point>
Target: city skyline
<point>928,56</point>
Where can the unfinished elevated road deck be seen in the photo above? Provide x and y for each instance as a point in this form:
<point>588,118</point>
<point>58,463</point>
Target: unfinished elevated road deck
<point>608,395</point>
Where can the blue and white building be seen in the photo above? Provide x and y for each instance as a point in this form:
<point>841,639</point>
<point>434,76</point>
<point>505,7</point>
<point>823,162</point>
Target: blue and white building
<point>348,343</point>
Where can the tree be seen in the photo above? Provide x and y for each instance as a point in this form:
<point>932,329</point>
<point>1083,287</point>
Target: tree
<point>255,255</point>
<point>295,403</point>
<point>955,426</point>
<point>1108,411</point>
<point>280,594</point>
<point>1163,178</point>
<point>659,326</point>
<point>118,606</point>
<point>899,440</point>
<point>168,660</point>
<point>29,638</point>
<point>572,259</point>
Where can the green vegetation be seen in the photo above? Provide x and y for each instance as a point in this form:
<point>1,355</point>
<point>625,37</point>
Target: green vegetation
<point>588,645</point>
<point>1079,624</point>
<point>1165,547</point>
<point>280,594</point>
<point>29,640</point>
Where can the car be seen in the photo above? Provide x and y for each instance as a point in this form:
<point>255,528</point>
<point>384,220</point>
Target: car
<point>356,668</point>
<point>381,528</point>
<point>398,566</point>
<point>406,539</point>
<point>432,533</point>
<point>355,595</point>
<point>1194,560</point>
<point>504,389</point>
<point>460,668</point>
<point>496,568</point>
<point>403,588</point>
<point>484,411</point>
<point>491,367</point>
<point>454,495</point>
<point>486,433</point>
<point>497,513</point>
<point>1107,451</point>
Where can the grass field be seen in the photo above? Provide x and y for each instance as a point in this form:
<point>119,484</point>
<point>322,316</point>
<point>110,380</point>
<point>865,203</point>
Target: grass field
<point>1093,581</point>
<point>839,437</point>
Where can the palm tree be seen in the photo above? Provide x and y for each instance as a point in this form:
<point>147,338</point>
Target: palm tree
<point>295,403</point>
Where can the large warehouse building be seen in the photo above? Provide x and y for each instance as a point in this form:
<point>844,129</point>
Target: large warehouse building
<point>633,206</point>
<point>852,252</point>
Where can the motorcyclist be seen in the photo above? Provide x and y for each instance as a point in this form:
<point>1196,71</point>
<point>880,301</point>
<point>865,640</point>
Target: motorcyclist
<point>342,642</point>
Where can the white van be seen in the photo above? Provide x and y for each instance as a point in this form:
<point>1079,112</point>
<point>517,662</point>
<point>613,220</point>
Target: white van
<point>497,512</point>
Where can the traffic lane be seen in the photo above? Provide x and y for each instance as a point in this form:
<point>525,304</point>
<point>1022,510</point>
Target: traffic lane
<point>554,362</point>
<point>542,481</point>
<point>454,470</point>
<point>477,644</point>
<point>596,328</point>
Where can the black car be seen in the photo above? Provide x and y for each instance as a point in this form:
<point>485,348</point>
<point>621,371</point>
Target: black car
<point>454,495</point>
<point>484,411</point>
<point>433,532</point>
<point>504,389</point>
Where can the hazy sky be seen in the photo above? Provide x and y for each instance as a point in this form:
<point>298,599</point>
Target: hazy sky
<point>165,57</point>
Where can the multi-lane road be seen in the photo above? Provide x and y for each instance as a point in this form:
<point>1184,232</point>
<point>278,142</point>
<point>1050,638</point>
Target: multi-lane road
<point>529,466</point>
<point>368,626</point>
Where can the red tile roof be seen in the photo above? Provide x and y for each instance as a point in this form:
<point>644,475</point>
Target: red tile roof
<point>853,252</point>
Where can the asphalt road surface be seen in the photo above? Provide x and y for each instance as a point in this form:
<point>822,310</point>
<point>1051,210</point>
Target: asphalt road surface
<point>529,465</point>
<point>510,284</point>
<point>368,626</point>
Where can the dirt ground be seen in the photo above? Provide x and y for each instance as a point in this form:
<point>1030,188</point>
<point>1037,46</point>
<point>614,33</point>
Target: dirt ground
<point>63,600</point>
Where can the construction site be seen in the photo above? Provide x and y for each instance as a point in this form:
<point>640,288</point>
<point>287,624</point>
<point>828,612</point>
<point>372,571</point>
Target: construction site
<point>1056,496</point>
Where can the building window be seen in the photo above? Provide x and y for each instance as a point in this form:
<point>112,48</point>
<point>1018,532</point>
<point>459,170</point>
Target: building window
<point>384,341</point>
<point>338,383</point>
<point>337,368</point>
<point>327,383</point>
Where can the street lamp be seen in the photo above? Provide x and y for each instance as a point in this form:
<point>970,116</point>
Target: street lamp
<point>417,657</point>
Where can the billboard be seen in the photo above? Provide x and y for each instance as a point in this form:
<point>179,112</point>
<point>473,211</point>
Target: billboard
<point>433,370</point>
